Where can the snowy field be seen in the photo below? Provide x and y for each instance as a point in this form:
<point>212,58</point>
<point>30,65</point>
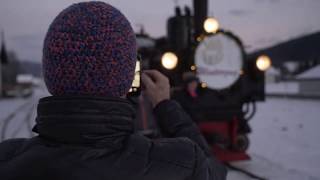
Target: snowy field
<point>285,140</point>
<point>285,143</point>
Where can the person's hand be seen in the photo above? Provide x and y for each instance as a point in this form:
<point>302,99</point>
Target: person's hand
<point>156,86</point>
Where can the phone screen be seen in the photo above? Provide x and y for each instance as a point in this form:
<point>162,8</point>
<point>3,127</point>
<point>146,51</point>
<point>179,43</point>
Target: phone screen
<point>135,87</point>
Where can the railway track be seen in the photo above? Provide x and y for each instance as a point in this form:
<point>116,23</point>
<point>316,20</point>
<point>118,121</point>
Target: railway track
<point>26,123</point>
<point>26,110</point>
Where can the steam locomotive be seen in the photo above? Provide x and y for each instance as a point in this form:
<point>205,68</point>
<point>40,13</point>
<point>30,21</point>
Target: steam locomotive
<point>229,82</point>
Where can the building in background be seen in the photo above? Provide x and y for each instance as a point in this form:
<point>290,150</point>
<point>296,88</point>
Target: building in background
<point>309,82</point>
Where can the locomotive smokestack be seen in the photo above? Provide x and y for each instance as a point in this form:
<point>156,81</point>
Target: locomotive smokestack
<point>200,15</point>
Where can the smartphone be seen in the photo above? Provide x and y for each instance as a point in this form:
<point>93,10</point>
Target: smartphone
<point>135,89</point>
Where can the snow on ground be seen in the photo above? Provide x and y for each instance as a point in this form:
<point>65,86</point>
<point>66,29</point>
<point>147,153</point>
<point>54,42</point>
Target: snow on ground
<point>17,115</point>
<point>284,143</point>
<point>285,140</point>
<point>286,132</point>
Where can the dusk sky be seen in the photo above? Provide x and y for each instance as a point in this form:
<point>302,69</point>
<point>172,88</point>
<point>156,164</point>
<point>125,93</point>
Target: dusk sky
<point>259,23</point>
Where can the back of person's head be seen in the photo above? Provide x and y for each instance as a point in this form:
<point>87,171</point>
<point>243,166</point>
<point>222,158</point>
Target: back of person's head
<point>89,49</point>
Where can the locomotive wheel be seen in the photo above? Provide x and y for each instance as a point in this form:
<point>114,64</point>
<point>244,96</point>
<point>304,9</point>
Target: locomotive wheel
<point>242,143</point>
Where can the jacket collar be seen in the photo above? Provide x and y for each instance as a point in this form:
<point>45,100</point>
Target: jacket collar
<point>85,120</point>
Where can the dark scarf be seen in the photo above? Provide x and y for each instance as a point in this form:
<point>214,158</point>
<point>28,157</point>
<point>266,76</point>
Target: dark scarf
<point>85,120</point>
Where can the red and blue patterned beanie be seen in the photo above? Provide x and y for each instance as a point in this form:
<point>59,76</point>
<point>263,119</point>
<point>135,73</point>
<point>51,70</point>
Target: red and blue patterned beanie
<point>89,49</point>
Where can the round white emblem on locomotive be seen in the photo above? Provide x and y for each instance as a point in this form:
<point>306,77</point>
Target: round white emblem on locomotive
<point>219,61</point>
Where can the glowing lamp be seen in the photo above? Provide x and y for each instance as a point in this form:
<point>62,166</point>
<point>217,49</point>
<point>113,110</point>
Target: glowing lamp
<point>169,60</point>
<point>211,25</point>
<point>193,67</point>
<point>263,63</point>
<point>204,85</point>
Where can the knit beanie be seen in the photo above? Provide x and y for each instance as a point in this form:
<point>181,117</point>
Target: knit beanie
<point>89,49</point>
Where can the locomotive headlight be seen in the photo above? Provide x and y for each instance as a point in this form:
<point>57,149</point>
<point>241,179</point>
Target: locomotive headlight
<point>204,85</point>
<point>211,25</point>
<point>169,60</point>
<point>263,63</point>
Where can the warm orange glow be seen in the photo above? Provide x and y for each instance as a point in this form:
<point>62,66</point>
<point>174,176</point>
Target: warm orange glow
<point>263,62</point>
<point>169,60</point>
<point>204,85</point>
<point>211,25</point>
<point>193,67</point>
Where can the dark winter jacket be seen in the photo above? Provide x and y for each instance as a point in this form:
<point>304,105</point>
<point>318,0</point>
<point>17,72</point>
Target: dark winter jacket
<point>82,138</point>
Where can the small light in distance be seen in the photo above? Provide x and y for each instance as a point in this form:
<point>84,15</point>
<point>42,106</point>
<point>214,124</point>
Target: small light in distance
<point>211,25</point>
<point>193,67</point>
<point>263,62</point>
<point>169,60</point>
<point>204,85</point>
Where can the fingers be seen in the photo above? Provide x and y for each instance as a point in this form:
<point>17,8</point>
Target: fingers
<point>156,85</point>
<point>147,81</point>
<point>156,76</point>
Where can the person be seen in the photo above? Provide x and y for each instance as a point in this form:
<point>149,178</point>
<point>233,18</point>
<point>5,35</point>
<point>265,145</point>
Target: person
<point>191,88</point>
<point>85,129</point>
<point>190,96</point>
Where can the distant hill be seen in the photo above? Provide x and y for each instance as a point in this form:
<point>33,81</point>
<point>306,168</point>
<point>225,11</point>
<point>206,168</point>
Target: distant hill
<point>304,48</point>
<point>28,67</point>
